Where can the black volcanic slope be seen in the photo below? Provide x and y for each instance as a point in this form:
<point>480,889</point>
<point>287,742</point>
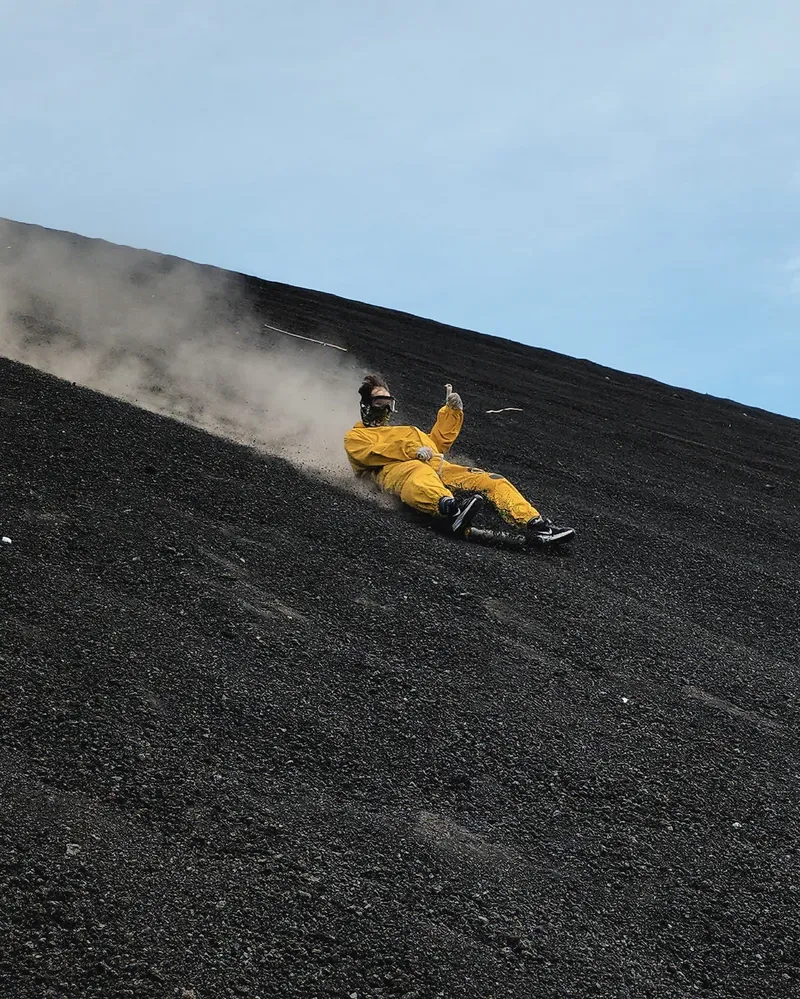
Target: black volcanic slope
<point>263,738</point>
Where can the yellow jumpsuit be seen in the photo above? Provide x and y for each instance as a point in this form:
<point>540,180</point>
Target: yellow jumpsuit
<point>388,453</point>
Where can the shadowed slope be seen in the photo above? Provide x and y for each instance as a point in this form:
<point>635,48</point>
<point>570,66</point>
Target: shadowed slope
<point>265,738</point>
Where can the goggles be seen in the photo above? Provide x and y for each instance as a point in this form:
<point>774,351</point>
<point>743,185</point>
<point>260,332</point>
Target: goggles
<point>384,402</point>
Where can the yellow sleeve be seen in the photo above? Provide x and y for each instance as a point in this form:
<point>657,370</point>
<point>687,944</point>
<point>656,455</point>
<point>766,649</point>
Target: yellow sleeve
<point>444,432</point>
<point>372,447</point>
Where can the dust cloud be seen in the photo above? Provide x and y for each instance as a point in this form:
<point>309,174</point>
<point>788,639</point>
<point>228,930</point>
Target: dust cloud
<point>175,339</point>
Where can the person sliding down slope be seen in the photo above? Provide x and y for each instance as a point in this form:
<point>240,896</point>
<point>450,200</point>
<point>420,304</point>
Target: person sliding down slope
<point>410,464</point>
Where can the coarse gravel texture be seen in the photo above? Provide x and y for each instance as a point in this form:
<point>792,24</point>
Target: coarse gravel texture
<point>262,737</point>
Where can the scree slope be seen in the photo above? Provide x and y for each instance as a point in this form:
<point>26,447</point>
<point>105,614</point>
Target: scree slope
<point>263,737</point>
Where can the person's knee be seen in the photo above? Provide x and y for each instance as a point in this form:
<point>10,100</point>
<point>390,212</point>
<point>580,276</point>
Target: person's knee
<point>487,482</point>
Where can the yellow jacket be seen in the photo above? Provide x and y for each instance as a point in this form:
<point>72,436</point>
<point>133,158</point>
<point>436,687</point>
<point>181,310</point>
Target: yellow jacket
<point>370,448</point>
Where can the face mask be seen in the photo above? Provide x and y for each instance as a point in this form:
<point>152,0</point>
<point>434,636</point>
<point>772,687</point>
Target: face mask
<point>378,411</point>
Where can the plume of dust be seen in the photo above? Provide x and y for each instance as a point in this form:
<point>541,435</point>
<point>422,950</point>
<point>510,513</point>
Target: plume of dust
<point>176,339</point>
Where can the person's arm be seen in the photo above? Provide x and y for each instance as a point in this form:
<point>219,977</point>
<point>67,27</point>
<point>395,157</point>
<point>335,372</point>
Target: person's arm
<point>449,421</point>
<point>372,447</point>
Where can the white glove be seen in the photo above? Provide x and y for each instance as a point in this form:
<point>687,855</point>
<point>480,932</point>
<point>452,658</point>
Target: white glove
<point>452,399</point>
<point>424,453</point>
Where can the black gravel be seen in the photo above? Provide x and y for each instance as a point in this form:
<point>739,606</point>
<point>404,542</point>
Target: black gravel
<point>263,738</point>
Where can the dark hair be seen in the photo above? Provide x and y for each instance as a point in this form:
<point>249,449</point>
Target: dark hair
<point>371,382</point>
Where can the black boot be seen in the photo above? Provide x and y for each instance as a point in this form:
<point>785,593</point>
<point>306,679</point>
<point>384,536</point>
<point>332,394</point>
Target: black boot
<point>541,531</point>
<point>460,513</point>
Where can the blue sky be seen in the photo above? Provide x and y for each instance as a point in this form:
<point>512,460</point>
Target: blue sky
<point>612,180</point>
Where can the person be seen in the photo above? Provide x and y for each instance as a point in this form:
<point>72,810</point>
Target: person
<point>411,464</point>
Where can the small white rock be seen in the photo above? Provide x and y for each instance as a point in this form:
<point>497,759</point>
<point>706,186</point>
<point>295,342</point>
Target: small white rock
<point>737,825</point>
<point>6,541</point>
<point>72,849</point>
<point>625,700</point>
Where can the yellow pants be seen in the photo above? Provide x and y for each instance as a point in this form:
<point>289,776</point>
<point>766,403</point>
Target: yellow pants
<point>422,485</point>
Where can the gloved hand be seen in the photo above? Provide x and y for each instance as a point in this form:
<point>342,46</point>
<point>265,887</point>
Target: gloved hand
<point>424,453</point>
<point>452,399</point>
